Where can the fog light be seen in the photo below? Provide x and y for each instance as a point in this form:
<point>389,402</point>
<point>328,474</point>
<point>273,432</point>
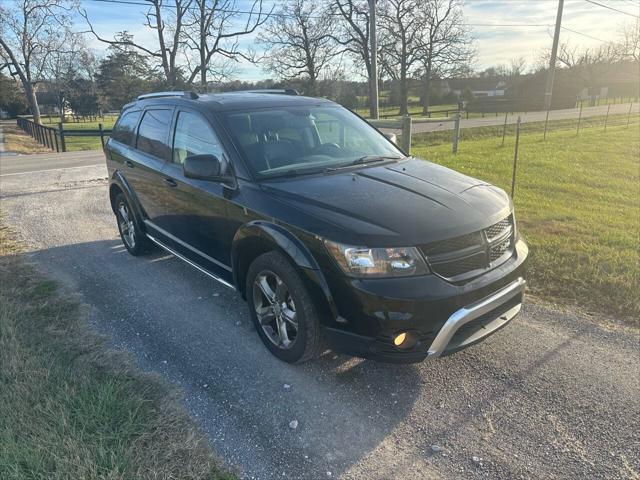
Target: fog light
<point>399,339</point>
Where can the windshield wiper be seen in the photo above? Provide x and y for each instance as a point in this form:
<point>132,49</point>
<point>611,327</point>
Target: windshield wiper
<point>365,160</point>
<point>374,158</point>
<point>294,172</point>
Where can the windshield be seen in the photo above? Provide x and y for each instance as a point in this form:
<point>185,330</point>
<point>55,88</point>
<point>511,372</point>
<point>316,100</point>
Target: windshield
<point>307,139</point>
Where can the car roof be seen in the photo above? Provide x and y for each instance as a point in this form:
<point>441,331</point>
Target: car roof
<point>233,100</point>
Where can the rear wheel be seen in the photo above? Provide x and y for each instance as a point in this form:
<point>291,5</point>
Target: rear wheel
<point>135,241</point>
<point>282,309</point>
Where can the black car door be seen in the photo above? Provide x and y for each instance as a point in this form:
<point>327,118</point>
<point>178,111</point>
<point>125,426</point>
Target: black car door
<point>194,217</point>
<point>144,162</point>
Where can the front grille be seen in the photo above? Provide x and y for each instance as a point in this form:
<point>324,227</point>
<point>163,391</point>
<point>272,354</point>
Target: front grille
<point>499,249</point>
<point>456,267</point>
<point>467,256</point>
<point>496,230</point>
<point>456,243</point>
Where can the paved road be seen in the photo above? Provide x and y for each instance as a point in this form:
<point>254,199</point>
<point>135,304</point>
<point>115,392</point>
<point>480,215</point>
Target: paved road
<point>551,396</point>
<point>42,162</point>
<point>492,120</point>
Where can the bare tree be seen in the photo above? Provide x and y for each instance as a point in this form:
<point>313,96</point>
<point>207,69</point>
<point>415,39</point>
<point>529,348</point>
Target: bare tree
<point>517,67</point>
<point>401,42</point>
<point>447,49</point>
<point>168,20</point>
<point>353,34</point>
<point>629,45</point>
<point>589,66</point>
<point>30,31</point>
<point>214,30</point>
<point>63,66</point>
<point>299,42</point>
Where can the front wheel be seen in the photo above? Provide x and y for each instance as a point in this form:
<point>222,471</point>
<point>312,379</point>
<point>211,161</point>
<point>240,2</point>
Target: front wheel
<point>282,309</point>
<point>135,241</point>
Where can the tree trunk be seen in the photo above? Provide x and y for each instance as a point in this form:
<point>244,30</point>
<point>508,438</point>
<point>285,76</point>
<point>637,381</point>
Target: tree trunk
<point>426,89</point>
<point>426,94</point>
<point>203,44</point>
<point>404,94</point>
<point>33,102</point>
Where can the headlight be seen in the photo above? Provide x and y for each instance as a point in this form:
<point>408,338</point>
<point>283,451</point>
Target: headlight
<point>377,262</point>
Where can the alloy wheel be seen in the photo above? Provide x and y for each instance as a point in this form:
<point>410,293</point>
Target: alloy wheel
<point>275,309</point>
<point>127,227</point>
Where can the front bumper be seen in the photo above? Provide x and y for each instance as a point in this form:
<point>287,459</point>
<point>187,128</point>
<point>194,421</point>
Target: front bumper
<point>441,318</point>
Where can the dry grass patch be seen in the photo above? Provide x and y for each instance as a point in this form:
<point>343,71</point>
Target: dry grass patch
<point>15,140</point>
<point>72,408</point>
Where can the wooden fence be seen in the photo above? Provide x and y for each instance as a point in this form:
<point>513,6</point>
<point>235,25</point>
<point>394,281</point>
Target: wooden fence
<point>55,137</point>
<point>404,124</point>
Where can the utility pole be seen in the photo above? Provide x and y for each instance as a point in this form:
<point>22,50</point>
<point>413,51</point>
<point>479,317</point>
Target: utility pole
<point>373,54</point>
<point>552,63</point>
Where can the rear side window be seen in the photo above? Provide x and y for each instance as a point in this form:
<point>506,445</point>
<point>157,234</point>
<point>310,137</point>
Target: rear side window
<point>153,133</point>
<point>124,131</point>
<point>194,136</point>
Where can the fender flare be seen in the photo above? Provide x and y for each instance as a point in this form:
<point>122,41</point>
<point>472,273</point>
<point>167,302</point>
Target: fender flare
<point>120,182</point>
<point>282,239</point>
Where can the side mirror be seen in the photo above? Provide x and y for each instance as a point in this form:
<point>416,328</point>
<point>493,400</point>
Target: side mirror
<point>392,137</point>
<point>202,167</point>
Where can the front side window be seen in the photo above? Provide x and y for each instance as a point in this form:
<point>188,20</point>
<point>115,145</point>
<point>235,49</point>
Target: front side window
<point>153,133</point>
<point>305,139</point>
<point>194,136</point>
<point>124,131</point>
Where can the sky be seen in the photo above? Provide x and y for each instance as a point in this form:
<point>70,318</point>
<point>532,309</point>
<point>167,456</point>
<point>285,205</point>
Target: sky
<point>495,45</point>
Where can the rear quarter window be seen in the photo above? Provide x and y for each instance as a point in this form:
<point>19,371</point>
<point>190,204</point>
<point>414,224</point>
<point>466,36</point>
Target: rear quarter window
<point>153,133</point>
<point>125,129</point>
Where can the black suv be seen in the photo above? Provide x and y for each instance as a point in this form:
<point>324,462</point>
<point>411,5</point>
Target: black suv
<point>331,233</point>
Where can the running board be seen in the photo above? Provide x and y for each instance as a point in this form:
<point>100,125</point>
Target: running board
<point>183,258</point>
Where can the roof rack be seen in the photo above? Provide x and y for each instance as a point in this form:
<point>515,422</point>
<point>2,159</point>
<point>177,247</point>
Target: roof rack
<point>187,95</point>
<point>276,91</point>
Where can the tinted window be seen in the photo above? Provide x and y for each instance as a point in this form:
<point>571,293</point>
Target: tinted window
<point>194,136</point>
<point>297,140</point>
<point>153,133</point>
<point>124,130</point>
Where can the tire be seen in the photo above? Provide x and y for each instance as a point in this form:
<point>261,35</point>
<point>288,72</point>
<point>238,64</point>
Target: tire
<point>134,240</point>
<point>290,296</point>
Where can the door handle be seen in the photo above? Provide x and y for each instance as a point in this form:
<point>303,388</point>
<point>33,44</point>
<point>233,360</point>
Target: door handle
<point>128,163</point>
<point>170,182</point>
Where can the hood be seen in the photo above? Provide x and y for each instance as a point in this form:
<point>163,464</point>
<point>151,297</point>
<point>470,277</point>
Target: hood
<point>412,202</point>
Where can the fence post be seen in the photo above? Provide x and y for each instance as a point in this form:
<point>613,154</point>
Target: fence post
<point>50,138</point>
<point>55,138</point>
<point>406,134</point>
<point>515,159</point>
<point>546,120</point>
<point>102,135</point>
<point>504,128</point>
<point>579,118</point>
<point>456,135</point>
<point>629,114</point>
<point>606,119</point>
<point>63,144</point>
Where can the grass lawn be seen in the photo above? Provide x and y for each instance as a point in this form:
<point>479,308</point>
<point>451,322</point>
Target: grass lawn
<point>577,203</point>
<point>71,408</point>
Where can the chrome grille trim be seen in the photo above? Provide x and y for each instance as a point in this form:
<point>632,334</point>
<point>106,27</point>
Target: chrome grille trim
<point>467,256</point>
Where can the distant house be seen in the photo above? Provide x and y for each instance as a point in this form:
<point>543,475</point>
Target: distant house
<point>480,87</point>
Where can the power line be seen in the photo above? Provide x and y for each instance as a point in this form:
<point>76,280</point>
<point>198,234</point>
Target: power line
<point>584,34</point>
<point>612,8</point>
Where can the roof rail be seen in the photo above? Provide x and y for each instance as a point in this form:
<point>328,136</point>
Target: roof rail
<point>187,95</point>
<point>277,91</point>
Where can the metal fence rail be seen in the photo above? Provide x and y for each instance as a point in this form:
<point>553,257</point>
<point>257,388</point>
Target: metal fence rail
<point>55,138</point>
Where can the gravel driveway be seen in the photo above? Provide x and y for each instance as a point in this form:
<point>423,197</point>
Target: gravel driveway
<point>554,395</point>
